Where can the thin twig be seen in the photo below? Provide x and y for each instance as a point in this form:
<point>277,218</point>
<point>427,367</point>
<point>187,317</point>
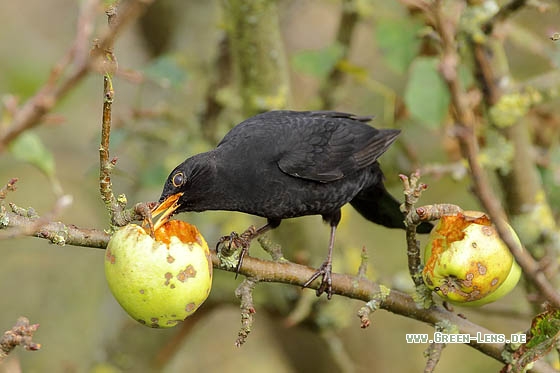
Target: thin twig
<point>338,350</point>
<point>272,248</point>
<point>9,187</point>
<point>505,12</point>
<point>412,191</point>
<point>114,206</point>
<point>20,335</point>
<point>245,294</point>
<point>364,261</point>
<point>433,354</point>
<point>302,309</point>
<point>365,311</point>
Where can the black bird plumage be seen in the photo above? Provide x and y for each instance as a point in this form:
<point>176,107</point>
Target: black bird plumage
<point>286,164</point>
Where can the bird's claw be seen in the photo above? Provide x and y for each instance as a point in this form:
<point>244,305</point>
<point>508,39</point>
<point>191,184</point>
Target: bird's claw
<point>228,245</point>
<point>325,271</point>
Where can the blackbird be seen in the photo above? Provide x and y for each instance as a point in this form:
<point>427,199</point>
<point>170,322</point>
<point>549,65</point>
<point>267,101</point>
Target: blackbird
<point>285,164</point>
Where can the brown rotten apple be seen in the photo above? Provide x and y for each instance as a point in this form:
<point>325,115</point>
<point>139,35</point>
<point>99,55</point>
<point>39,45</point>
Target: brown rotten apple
<point>466,262</point>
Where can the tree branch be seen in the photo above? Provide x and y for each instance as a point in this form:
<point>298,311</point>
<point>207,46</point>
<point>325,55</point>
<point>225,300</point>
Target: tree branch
<point>257,54</point>
<point>220,78</point>
<point>259,270</point>
<point>347,24</point>
<point>505,12</point>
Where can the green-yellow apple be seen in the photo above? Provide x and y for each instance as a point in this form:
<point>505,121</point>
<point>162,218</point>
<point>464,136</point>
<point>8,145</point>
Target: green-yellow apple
<point>159,280</point>
<point>467,263</point>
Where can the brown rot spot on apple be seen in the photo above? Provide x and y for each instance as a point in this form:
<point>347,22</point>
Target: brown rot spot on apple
<point>109,256</point>
<point>142,291</point>
<point>474,295</point>
<point>210,267</point>
<point>190,307</point>
<point>154,322</point>
<point>170,259</point>
<point>168,276</point>
<point>188,272</point>
<point>481,268</point>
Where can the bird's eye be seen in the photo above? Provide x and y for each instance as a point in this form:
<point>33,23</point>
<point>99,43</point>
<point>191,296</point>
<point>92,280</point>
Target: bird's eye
<point>178,180</point>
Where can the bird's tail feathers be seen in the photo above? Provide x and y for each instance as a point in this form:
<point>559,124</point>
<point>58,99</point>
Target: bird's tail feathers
<point>377,205</point>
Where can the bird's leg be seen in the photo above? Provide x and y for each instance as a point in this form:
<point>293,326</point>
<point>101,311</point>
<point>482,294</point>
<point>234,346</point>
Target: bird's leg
<point>234,240</point>
<point>250,234</point>
<point>325,270</point>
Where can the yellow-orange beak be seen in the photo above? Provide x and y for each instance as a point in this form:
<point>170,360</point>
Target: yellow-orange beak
<point>166,208</point>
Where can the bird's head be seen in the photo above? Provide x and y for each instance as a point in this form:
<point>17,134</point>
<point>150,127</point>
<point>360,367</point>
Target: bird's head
<point>184,187</point>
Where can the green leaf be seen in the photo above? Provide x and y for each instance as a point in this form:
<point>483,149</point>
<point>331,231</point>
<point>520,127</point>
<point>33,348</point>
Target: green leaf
<point>398,41</point>
<point>318,63</point>
<point>426,95</point>
<point>167,71</point>
<point>29,148</point>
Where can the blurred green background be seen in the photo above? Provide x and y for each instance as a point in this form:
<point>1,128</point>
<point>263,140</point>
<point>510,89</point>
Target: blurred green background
<point>157,123</point>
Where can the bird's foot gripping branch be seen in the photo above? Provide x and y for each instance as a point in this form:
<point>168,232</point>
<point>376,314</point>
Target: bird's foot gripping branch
<point>231,249</point>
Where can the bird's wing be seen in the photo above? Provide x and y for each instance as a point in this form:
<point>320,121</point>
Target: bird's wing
<point>327,149</point>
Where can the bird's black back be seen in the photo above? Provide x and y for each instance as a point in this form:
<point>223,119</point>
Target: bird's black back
<point>284,164</point>
<point>320,146</point>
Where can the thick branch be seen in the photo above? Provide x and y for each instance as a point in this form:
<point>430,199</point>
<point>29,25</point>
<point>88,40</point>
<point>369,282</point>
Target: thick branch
<point>347,24</point>
<point>257,54</point>
<point>221,77</point>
